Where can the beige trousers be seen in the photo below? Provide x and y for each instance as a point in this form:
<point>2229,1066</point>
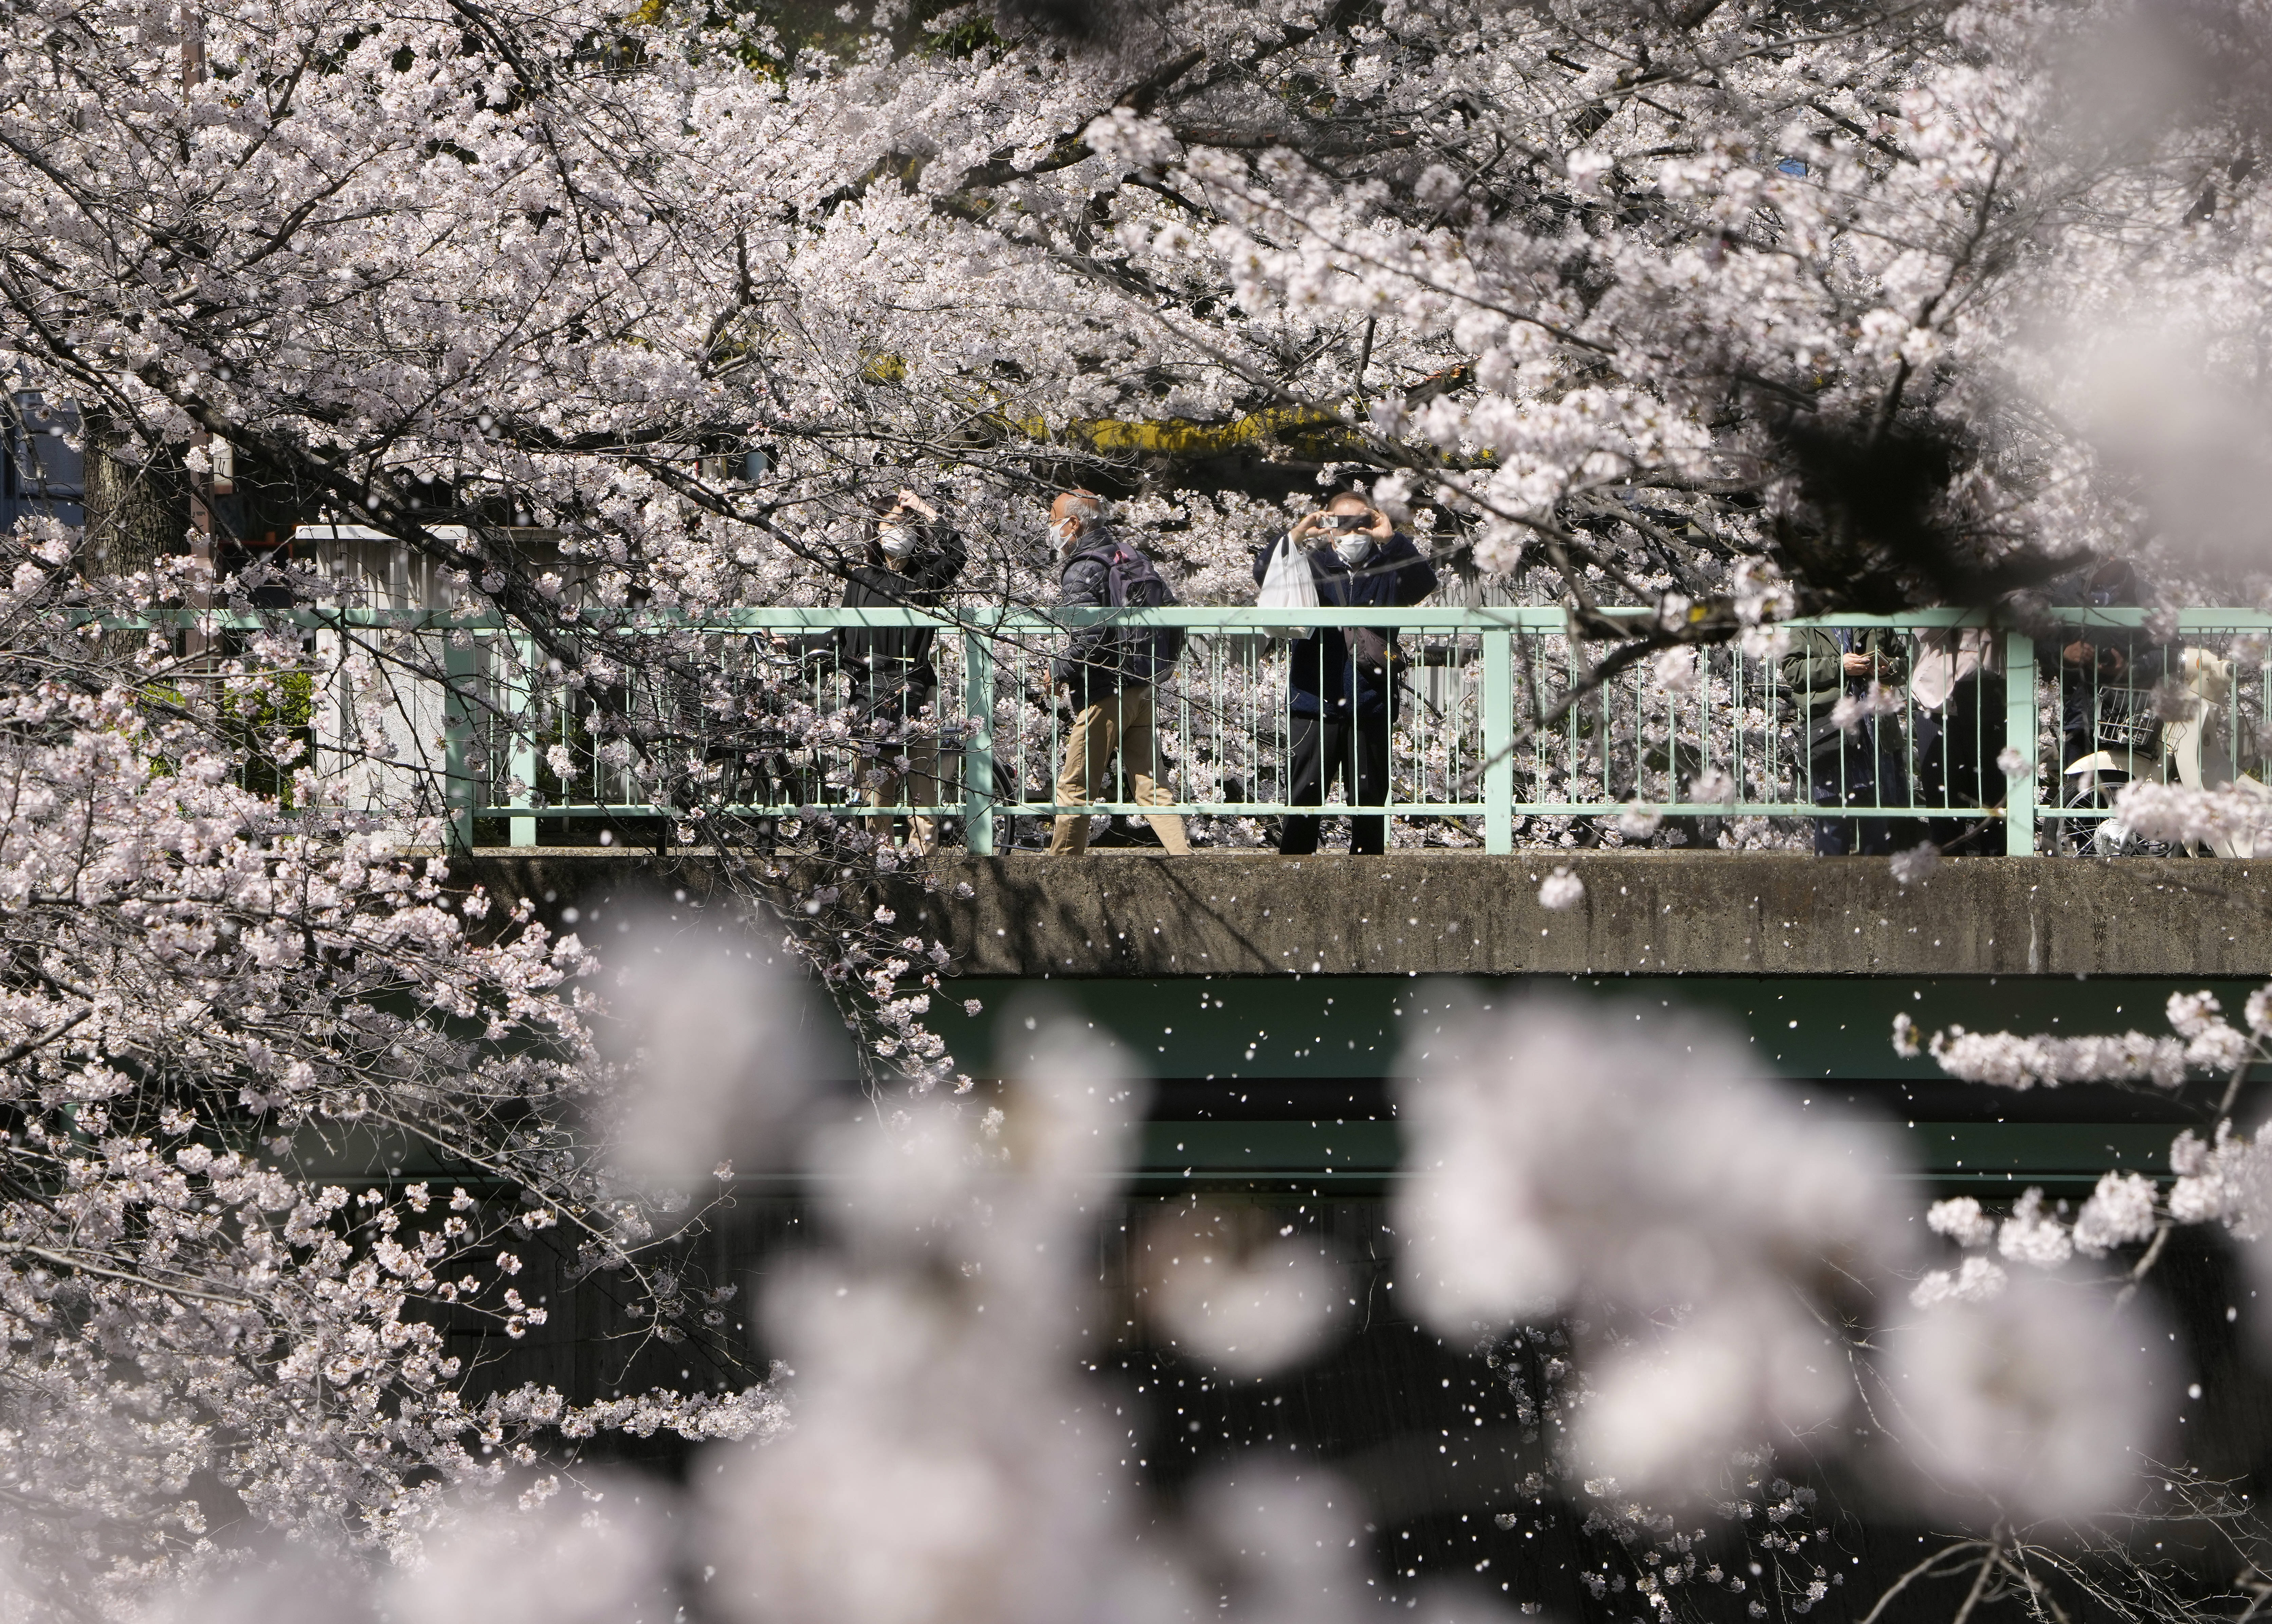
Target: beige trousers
<point>1121,720</point>
<point>918,786</point>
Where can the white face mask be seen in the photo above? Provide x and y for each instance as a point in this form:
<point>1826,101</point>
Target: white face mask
<point>896,540</point>
<point>1353,547</point>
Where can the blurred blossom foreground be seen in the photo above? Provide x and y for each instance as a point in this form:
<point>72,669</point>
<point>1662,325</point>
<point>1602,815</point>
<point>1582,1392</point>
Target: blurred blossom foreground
<point>1737,1284</point>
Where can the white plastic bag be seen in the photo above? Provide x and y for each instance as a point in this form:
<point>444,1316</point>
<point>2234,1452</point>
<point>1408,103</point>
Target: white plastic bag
<point>1287,583</point>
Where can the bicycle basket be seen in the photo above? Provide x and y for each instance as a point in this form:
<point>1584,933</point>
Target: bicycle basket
<point>2127,721</point>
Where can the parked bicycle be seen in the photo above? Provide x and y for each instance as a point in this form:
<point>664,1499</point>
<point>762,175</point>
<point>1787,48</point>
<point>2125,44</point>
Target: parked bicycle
<point>2179,731</point>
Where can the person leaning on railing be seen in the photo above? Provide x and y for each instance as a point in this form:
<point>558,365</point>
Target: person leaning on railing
<point>1108,675</point>
<point>1858,763</point>
<point>912,560</point>
<point>1344,679</point>
<point>2101,667</point>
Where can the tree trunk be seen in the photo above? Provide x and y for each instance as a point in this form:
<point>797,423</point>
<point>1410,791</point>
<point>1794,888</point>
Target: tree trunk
<point>136,513</point>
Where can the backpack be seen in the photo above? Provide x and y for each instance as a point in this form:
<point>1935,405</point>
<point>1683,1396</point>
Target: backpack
<point>1130,582</point>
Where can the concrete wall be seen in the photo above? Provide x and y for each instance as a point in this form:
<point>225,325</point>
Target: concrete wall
<point>1644,913</point>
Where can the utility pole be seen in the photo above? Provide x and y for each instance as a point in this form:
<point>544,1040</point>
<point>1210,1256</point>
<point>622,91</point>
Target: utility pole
<point>193,50</point>
<point>204,486</point>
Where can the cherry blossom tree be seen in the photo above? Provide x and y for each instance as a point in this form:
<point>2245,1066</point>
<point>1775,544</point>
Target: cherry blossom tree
<point>1624,306</point>
<point>1626,296</point>
<point>217,1012</point>
<point>1721,311</point>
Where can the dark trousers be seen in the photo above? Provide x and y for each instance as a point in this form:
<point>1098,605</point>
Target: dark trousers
<point>2078,726</point>
<point>1861,766</point>
<point>1356,753</point>
<point>1956,751</point>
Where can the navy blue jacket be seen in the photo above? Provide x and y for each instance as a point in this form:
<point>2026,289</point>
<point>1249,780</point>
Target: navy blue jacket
<point>1326,682</point>
<point>1098,660</point>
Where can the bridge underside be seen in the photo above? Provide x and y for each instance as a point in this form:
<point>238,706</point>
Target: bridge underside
<point>1273,1002</point>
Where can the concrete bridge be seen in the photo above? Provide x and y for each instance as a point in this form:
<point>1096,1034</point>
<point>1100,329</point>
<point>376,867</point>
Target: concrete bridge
<point>1645,913</point>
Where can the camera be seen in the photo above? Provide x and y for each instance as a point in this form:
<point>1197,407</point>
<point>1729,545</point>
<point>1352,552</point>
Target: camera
<point>1350,521</point>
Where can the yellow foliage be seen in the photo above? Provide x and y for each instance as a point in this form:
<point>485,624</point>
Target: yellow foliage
<point>1179,437</point>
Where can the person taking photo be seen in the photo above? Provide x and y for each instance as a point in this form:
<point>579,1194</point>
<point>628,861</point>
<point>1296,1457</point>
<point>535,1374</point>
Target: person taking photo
<point>1344,680</point>
<point>911,561</point>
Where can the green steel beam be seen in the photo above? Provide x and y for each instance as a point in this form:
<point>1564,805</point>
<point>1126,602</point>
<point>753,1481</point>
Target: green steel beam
<point>1371,1152</point>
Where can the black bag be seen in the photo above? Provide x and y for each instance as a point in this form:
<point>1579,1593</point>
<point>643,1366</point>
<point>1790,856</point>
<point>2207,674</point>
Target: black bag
<point>1825,737</point>
<point>1369,650</point>
<point>1130,582</point>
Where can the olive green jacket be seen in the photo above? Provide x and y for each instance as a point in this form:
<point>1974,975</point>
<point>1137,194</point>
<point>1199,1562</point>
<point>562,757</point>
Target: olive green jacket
<point>1813,672</point>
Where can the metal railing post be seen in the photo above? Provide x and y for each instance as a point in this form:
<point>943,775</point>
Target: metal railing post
<point>2020,701</point>
<point>458,789</point>
<point>978,746</point>
<point>523,830</point>
<point>1498,741</point>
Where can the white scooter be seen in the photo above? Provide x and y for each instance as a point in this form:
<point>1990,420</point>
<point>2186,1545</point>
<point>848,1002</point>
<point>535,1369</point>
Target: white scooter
<point>2193,747</point>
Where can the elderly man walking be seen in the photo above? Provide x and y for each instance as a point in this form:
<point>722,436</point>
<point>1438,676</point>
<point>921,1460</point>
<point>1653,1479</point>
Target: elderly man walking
<point>1108,673</point>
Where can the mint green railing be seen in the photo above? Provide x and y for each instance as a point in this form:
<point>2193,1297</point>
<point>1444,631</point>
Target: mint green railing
<point>1496,723</point>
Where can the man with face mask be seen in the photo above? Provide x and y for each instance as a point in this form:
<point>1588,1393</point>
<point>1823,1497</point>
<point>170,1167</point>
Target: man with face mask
<point>1344,680</point>
<point>1109,676</point>
<point>911,561</point>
